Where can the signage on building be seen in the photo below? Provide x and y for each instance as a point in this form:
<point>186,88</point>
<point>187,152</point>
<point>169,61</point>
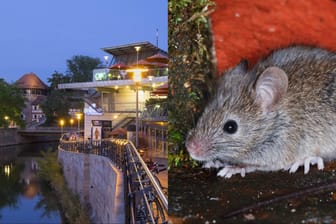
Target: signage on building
<point>103,127</point>
<point>103,123</point>
<point>100,74</point>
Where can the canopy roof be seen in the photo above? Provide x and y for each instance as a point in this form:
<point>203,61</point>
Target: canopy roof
<point>128,49</point>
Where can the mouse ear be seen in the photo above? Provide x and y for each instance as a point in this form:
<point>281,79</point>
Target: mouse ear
<point>270,88</point>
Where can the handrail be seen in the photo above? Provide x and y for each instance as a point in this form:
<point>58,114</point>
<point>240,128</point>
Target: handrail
<point>144,192</point>
<point>156,185</point>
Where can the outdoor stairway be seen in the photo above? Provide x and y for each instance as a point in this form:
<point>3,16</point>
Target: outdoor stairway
<point>124,122</point>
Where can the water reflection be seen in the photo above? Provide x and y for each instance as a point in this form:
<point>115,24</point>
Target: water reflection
<point>23,199</point>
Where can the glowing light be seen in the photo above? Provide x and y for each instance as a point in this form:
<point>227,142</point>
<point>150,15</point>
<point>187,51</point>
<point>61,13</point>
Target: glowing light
<point>137,73</point>
<point>78,116</point>
<point>7,170</point>
<point>137,76</point>
<point>141,95</point>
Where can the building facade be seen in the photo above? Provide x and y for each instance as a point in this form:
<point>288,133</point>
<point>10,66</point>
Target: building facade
<point>35,92</point>
<point>111,101</point>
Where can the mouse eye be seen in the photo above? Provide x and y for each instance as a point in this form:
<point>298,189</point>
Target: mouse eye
<point>230,127</point>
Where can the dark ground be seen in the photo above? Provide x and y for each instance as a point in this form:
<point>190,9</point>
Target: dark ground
<point>199,196</point>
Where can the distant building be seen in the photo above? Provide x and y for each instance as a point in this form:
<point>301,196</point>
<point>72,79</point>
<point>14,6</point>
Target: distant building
<point>35,92</point>
<point>112,101</point>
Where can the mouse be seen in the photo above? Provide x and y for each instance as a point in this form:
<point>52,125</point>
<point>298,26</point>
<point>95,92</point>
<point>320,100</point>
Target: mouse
<point>278,115</point>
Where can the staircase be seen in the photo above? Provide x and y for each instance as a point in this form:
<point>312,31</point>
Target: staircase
<point>124,122</point>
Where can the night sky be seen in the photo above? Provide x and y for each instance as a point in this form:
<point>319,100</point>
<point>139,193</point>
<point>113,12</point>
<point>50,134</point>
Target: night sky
<point>39,36</point>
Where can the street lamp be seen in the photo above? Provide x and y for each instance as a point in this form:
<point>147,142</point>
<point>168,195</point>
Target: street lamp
<point>79,116</point>
<point>137,72</point>
<point>137,80</point>
<point>71,122</point>
<point>61,122</point>
<point>6,119</point>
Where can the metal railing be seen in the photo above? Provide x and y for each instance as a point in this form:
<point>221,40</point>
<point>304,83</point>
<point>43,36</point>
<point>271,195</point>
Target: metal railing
<point>106,74</point>
<point>157,111</point>
<point>145,199</point>
<point>124,107</point>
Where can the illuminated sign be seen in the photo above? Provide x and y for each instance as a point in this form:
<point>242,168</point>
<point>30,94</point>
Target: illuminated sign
<point>100,74</point>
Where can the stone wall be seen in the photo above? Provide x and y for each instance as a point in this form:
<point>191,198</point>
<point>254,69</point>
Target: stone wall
<point>8,136</point>
<point>98,183</point>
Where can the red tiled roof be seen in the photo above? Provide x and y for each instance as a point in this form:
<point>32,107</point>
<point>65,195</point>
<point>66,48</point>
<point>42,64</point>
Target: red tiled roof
<point>30,81</point>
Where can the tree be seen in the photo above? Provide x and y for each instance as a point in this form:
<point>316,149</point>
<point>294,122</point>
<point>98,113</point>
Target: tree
<point>12,103</point>
<point>80,68</point>
<point>58,78</point>
<point>59,101</point>
<point>56,105</point>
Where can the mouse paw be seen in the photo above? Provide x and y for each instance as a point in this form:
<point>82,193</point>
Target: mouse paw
<point>313,160</point>
<point>228,171</point>
<point>306,163</point>
<point>295,166</point>
<point>215,164</point>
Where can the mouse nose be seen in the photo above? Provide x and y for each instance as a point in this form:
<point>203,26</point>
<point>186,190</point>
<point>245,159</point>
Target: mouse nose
<point>197,148</point>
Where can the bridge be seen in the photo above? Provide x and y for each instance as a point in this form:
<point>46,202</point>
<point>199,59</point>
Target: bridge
<point>45,131</point>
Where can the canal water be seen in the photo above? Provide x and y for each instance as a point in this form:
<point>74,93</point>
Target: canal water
<point>23,199</point>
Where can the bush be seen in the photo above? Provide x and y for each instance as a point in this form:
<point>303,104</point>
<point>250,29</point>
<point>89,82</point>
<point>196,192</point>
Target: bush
<point>191,71</point>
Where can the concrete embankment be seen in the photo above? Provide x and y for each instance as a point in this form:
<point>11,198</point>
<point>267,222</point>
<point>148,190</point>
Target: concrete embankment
<point>98,183</point>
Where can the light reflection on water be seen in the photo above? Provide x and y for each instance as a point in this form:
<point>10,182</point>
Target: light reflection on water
<point>22,198</point>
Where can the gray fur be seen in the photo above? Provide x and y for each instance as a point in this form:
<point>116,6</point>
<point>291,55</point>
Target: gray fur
<point>279,126</point>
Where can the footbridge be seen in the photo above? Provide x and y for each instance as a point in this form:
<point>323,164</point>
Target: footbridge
<point>45,131</point>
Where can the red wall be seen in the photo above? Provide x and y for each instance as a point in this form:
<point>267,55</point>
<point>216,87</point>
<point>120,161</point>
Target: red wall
<point>250,29</point>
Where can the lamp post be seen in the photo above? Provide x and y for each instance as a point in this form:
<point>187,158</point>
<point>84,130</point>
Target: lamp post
<point>71,122</point>
<point>78,115</point>
<point>137,80</point>
<point>137,111</point>
<point>6,119</point>
<point>106,60</point>
<point>61,124</point>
